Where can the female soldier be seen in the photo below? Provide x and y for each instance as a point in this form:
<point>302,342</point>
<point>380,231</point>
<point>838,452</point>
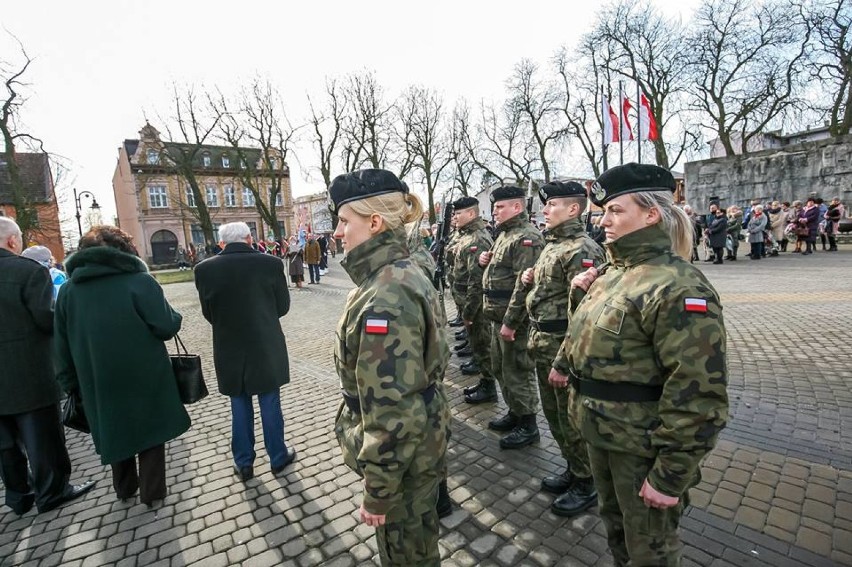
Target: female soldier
<point>647,361</point>
<point>391,355</point>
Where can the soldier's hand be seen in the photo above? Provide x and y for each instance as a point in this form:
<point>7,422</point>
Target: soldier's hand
<point>556,379</point>
<point>507,334</point>
<point>528,277</point>
<point>374,520</point>
<point>656,499</point>
<point>484,258</point>
<point>585,279</point>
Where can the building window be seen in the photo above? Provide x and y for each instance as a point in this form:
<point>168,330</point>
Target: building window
<point>198,234</point>
<point>230,196</point>
<point>212,196</point>
<point>243,163</point>
<point>226,161</point>
<point>282,227</point>
<point>279,197</point>
<point>205,159</point>
<point>157,197</point>
<point>153,157</point>
<point>248,197</point>
<point>190,197</point>
<point>253,228</point>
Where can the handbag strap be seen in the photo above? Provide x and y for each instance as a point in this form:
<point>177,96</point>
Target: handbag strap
<point>179,345</point>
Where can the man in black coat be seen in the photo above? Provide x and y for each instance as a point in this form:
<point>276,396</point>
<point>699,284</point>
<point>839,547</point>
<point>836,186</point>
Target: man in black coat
<point>29,404</point>
<point>243,294</point>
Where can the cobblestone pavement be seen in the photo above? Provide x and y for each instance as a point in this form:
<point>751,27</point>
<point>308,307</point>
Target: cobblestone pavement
<point>777,491</point>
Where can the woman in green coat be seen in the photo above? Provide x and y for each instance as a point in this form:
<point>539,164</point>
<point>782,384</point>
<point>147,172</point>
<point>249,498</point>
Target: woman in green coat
<point>110,323</point>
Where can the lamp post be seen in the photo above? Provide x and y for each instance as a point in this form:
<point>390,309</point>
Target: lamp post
<point>77,198</point>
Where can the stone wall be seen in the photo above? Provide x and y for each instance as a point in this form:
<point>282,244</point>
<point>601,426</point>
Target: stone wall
<point>793,172</point>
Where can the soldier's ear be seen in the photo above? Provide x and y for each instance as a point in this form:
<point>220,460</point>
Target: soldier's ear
<point>376,223</point>
<point>653,216</point>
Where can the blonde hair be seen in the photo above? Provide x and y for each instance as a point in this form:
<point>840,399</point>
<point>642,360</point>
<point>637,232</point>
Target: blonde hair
<point>673,219</point>
<point>396,209</point>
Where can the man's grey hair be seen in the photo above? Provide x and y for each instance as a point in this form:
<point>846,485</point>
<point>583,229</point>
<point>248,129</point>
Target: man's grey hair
<point>8,228</point>
<point>234,232</point>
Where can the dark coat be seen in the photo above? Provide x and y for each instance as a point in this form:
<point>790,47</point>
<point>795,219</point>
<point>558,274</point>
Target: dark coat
<point>810,219</point>
<point>718,232</point>
<point>27,380</point>
<point>243,294</point>
<point>111,321</point>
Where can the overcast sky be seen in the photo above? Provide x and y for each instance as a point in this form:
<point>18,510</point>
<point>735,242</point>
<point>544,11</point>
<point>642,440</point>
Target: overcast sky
<point>98,71</point>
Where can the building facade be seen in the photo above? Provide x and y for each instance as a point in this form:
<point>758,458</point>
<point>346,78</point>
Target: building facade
<point>155,202</point>
<point>312,214</point>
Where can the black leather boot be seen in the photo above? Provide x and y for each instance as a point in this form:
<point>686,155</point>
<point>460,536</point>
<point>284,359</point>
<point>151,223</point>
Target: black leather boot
<point>470,368</point>
<point>505,423</point>
<point>557,483</point>
<point>461,335</point>
<point>485,392</point>
<point>445,505</point>
<point>525,433</point>
<point>465,352</point>
<point>579,497</point>
<point>471,389</point>
<point>461,346</point>
<point>457,322</point>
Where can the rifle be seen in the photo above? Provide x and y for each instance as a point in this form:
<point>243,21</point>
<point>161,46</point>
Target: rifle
<point>442,238</point>
<point>530,200</point>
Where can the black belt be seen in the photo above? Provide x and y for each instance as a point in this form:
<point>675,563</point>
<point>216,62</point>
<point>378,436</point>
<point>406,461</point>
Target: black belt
<point>550,325</point>
<point>354,404</point>
<point>616,391</point>
<point>498,293</point>
<point>460,287</point>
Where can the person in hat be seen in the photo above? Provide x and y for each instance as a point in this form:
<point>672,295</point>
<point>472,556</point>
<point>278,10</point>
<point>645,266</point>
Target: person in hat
<point>43,256</point>
<point>569,251</point>
<point>516,247</point>
<point>473,239</point>
<point>647,365</point>
<point>391,354</point>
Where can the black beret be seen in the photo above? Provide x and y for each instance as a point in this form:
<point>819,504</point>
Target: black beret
<point>506,192</point>
<point>560,189</point>
<point>631,178</point>
<point>465,203</point>
<point>361,184</point>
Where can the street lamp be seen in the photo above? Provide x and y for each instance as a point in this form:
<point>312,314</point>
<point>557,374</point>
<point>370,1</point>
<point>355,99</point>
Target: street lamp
<point>77,198</point>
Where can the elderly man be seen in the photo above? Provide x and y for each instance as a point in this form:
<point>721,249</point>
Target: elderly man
<point>29,407</point>
<point>243,294</point>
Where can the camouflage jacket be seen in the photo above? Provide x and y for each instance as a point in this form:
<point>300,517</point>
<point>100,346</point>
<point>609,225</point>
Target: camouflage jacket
<point>567,252</point>
<point>450,255</point>
<point>390,349</point>
<point>517,246</point>
<point>473,240</point>
<point>652,319</point>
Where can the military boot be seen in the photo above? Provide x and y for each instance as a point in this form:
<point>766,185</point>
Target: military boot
<point>461,346</point>
<point>485,392</point>
<point>505,423</point>
<point>445,505</point>
<point>465,352</point>
<point>457,322</point>
<point>558,483</point>
<point>525,433</point>
<point>461,335</point>
<point>471,389</point>
<point>580,497</point>
<point>470,368</point>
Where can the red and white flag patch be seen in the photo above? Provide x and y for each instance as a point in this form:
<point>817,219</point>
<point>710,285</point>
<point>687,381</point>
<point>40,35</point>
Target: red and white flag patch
<point>695,305</point>
<point>588,262</point>
<point>474,248</point>
<point>527,242</point>
<point>376,326</point>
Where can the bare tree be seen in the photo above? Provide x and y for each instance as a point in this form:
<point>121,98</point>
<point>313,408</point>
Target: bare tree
<point>366,128</point>
<point>650,50</point>
<point>502,147</point>
<point>830,22</point>
<point>326,123</point>
<point>261,135</point>
<point>463,167</point>
<point>746,61</point>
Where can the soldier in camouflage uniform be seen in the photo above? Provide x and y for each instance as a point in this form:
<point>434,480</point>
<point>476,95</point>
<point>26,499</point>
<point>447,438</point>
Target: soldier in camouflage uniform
<point>473,239</point>
<point>647,365</point>
<point>449,262</point>
<point>516,248</point>
<point>569,251</point>
<point>391,354</point>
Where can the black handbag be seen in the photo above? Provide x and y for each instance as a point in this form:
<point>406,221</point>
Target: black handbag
<point>188,374</point>
<point>73,414</point>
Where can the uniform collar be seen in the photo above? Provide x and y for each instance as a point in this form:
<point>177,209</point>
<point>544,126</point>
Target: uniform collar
<point>639,246</point>
<point>475,225</point>
<point>366,258</point>
<point>567,229</point>
<point>514,222</point>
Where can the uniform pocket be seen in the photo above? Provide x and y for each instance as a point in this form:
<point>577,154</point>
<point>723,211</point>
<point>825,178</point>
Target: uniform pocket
<point>611,319</point>
<point>350,436</point>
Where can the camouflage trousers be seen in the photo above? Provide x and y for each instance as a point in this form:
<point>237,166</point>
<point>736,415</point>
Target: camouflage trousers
<point>557,411</point>
<point>479,334</point>
<point>410,534</point>
<point>513,367</point>
<point>638,536</point>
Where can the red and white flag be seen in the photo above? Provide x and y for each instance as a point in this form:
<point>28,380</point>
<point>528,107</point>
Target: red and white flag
<point>626,107</point>
<point>376,326</point>
<point>647,124</point>
<point>610,123</point>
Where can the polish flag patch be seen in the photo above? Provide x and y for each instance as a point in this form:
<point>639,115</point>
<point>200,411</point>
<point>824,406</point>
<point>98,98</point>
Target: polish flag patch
<point>695,305</point>
<point>588,262</point>
<point>527,242</point>
<point>376,326</point>
<point>474,248</point>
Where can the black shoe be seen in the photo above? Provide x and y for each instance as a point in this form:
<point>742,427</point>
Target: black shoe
<point>245,473</point>
<point>289,458</point>
<point>457,322</point>
<point>472,389</point>
<point>505,423</point>
<point>525,433</point>
<point>485,392</point>
<point>461,335</point>
<point>71,493</point>
<point>710,259</point>
<point>718,262</point>
<point>445,505</point>
<point>25,505</point>
<point>465,352</point>
<point>470,369</point>
<point>461,346</point>
<point>580,497</point>
<point>557,483</point>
